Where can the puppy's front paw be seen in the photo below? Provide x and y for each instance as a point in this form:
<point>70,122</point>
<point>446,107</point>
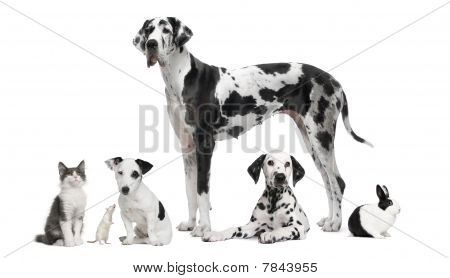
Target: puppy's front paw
<point>186,226</point>
<point>213,236</point>
<point>69,243</point>
<point>199,231</point>
<point>333,225</point>
<point>267,237</point>
<point>128,241</point>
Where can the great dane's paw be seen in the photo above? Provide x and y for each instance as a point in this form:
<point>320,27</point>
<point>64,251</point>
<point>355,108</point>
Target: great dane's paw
<point>332,226</point>
<point>200,230</point>
<point>322,221</point>
<point>213,236</point>
<point>186,226</point>
<point>267,238</point>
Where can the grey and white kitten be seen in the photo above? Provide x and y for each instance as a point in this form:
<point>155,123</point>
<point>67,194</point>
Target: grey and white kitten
<point>65,221</point>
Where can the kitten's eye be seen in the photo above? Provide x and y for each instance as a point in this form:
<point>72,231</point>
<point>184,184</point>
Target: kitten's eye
<point>135,175</point>
<point>270,162</point>
<point>120,173</point>
<point>287,164</point>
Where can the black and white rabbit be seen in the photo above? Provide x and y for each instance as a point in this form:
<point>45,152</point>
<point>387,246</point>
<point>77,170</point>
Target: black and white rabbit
<point>373,220</point>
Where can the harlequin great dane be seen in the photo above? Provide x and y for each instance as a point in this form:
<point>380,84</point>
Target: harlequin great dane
<point>208,103</point>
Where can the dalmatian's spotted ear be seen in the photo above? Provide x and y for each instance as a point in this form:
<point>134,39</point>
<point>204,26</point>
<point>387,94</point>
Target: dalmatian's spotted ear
<point>113,162</point>
<point>297,171</point>
<point>181,33</point>
<point>255,168</point>
<point>144,165</point>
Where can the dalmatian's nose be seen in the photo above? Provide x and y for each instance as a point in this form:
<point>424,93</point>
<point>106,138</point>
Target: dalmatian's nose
<point>152,44</point>
<point>280,177</point>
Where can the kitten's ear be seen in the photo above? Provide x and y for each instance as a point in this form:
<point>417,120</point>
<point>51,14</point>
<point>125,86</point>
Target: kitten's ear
<point>62,168</point>
<point>81,166</point>
<point>144,165</point>
<point>113,162</point>
<point>255,168</point>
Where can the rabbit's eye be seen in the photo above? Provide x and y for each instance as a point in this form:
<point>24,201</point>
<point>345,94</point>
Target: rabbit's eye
<point>390,203</point>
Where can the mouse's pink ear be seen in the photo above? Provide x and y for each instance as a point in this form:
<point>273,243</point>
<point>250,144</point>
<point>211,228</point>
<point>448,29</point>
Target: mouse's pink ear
<point>113,162</point>
<point>254,169</point>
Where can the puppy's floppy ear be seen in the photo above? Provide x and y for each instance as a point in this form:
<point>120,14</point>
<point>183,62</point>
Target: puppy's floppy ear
<point>113,162</point>
<point>380,193</point>
<point>255,168</point>
<point>62,168</point>
<point>81,166</point>
<point>297,171</point>
<point>181,33</point>
<point>144,165</point>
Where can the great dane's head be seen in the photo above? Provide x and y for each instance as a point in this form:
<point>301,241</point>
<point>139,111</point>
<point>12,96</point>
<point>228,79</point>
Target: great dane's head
<point>128,172</point>
<point>160,37</point>
<point>277,168</point>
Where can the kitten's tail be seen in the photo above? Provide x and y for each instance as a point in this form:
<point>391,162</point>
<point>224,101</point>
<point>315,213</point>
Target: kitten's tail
<point>42,239</point>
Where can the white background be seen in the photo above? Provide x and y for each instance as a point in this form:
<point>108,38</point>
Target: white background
<point>60,104</point>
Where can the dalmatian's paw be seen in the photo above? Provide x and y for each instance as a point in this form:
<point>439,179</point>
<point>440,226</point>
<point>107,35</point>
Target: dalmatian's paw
<point>267,237</point>
<point>186,226</point>
<point>213,236</point>
<point>322,221</point>
<point>332,225</point>
<point>200,230</point>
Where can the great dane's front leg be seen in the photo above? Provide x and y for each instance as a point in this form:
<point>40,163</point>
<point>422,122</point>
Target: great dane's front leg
<point>204,142</point>
<point>190,171</point>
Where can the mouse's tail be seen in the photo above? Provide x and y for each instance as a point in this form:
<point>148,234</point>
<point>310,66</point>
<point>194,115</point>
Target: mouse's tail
<point>94,241</point>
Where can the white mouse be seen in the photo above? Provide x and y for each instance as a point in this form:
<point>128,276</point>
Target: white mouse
<point>104,226</point>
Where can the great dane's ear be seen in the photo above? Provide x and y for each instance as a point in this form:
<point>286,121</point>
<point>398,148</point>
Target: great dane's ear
<point>255,168</point>
<point>181,33</point>
<point>144,165</point>
<point>297,171</point>
<point>113,162</point>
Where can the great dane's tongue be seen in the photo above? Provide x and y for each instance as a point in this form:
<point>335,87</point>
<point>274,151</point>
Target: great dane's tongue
<point>151,59</point>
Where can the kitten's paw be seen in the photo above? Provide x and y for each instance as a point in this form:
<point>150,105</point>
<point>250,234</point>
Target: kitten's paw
<point>69,243</point>
<point>59,242</point>
<point>78,241</point>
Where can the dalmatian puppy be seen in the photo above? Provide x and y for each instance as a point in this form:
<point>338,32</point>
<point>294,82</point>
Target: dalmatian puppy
<point>139,205</point>
<point>207,103</point>
<point>277,216</point>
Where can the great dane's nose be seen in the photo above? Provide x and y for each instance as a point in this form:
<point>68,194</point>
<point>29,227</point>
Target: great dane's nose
<point>151,44</point>
<point>280,177</point>
<point>125,190</point>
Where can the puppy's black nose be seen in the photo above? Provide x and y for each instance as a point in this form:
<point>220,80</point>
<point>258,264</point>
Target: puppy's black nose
<point>151,44</point>
<point>280,177</point>
<point>125,190</point>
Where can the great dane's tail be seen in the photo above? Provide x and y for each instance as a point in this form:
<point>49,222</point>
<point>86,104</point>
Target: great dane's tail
<point>347,122</point>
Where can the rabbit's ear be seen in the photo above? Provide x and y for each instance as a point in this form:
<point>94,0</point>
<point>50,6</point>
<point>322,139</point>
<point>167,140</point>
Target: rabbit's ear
<point>386,191</point>
<point>380,193</point>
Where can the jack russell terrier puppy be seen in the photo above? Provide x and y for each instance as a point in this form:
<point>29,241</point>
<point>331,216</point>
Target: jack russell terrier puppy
<point>139,205</point>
